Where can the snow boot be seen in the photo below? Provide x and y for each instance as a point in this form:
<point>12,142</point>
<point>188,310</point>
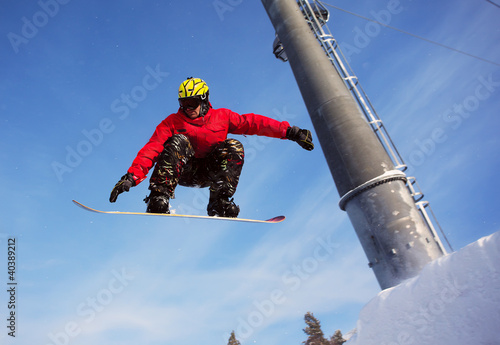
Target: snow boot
<point>222,206</point>
<point>157,203</point>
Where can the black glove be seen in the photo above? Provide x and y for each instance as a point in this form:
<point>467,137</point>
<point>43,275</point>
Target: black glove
<point>123,185</point>
<point>303,137</point>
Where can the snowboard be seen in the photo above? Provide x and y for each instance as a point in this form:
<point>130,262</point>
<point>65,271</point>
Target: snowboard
<point>277,219</point>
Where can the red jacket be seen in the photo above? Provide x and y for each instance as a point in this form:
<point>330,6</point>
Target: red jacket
<point>203,133</point>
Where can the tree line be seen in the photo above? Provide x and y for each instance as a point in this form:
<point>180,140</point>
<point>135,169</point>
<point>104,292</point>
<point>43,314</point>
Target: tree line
<point>313,331</point>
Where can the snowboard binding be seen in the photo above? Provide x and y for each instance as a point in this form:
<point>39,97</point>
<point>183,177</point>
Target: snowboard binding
<point>220,206</point>
<point>157,203</point>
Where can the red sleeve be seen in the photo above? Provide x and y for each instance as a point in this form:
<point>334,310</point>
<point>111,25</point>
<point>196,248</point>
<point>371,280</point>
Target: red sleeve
<point>253,124</point>
<point>148,155</point>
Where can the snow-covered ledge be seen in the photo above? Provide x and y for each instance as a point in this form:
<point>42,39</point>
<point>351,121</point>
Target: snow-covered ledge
<point>455,300</point>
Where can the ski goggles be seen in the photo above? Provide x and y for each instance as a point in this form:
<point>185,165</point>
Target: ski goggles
<point>190,103</point>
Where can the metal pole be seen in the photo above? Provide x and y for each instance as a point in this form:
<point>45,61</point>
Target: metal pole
<point>373,193</point>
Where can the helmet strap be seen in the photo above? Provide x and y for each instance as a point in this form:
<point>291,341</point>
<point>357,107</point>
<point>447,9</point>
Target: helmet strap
<point>205,106</point>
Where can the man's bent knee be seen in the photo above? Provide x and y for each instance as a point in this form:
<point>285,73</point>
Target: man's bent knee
<point>234,146</point>
<point>179,143</point>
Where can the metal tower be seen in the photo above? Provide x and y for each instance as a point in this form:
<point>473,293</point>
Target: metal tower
<point>382,203</point>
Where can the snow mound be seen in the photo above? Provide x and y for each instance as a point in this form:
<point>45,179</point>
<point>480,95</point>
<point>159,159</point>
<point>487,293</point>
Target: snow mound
<point>455,300</point>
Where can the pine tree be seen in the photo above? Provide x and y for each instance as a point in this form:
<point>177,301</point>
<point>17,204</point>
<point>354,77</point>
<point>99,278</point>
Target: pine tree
<point>337,338</point>
<point>313,330</point>
<point>233,340</point>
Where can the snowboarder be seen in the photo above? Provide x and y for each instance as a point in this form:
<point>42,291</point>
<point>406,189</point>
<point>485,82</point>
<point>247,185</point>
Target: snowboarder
<point>191,148</point>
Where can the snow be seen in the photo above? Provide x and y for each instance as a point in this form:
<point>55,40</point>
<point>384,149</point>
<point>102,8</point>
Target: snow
<point>455,300</point>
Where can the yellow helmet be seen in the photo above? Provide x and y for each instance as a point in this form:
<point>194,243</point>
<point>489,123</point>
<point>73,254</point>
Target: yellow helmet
<point>193,87</point>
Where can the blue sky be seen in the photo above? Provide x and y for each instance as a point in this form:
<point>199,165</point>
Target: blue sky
<point>69,132</point>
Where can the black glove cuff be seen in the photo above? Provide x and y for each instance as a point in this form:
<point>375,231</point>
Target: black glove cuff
<point>292,133</point>
<point>129,177</point>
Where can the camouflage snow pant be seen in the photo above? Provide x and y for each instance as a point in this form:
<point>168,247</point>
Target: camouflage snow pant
<point>220,170</point>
